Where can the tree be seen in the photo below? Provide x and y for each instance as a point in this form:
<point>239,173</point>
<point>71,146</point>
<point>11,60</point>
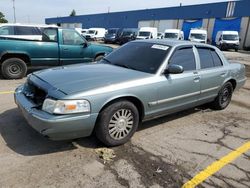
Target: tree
<point>73,13</point>
<point>2,18</point>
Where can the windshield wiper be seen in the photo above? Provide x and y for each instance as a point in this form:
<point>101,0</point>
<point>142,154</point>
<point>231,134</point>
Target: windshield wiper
<point>124,66</point>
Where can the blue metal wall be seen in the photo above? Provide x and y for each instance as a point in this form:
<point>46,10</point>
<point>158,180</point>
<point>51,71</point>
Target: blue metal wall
<point>225,25</point>
<point>131,18</point>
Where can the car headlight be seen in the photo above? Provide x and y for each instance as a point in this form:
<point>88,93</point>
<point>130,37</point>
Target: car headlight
<point>65,106</point>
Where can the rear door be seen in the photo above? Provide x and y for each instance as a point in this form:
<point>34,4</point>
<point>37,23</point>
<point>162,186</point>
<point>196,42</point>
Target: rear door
<point>180,91</point>
<point>211,71</point>
<point>73,49</point>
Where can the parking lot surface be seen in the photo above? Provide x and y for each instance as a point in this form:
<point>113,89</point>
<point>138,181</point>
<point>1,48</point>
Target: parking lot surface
<point>166,152</point>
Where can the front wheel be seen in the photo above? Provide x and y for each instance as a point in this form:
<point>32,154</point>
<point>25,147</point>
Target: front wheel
<point>99,58</point>
<point>224,97</point>
<point>14,68</point>
<point>117,123</point>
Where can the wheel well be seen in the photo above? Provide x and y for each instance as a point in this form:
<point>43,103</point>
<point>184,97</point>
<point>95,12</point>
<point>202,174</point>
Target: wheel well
<point>133,100</point>
<point>99,54</point>
<point>233,82</point>
<point>24,57</point>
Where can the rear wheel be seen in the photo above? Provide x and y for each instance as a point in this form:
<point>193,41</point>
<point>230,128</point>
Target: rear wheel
<point>117,123</point>
<point>224,97</point>
<point>14,68</point>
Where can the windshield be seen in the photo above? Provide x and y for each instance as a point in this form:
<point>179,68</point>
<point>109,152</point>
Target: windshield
<point>230,37</point>
<point>141,56</point>
<point>198,36</point>
<point>127,33</point>
<point>159,34</point>
<point>91,31</point>
<point>112,31</point>
<point>171,35</point>
<point>144,33</point>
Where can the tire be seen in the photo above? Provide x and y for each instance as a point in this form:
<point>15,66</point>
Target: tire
<point>236,49</point>
<point>117,123</point>
<point>99,58</point>
<point>14,68</point>
<point>224,97</point>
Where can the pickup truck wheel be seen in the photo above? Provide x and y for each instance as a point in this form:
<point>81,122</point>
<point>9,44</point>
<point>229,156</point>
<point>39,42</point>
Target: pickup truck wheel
<point>117,123</point>
<point>99,58</point>
<point>14,68</point>
<point>224,97</point>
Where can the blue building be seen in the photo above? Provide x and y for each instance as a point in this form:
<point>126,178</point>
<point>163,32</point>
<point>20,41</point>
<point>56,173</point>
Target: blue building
<point>213,17</point>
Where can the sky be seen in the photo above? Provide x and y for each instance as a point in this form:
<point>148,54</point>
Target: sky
<point>35,11</point>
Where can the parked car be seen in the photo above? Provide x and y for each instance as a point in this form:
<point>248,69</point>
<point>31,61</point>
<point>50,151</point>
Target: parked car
<point>175,34</point>
<point>112,35</point>
<point>23,31</point>
<point>95,34</point>
<point>127,35</point>
<point>147,33</point>
<point>111,97</point>
<point>198,35</point>
<point>228,40</point>
<point>58,47</point>
<point>160,35</point>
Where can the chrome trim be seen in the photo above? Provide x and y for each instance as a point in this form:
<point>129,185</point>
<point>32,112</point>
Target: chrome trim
<point>210,89</point>
<point>173,98</point>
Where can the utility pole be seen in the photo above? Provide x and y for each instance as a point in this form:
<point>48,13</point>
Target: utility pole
<point>14,9</point>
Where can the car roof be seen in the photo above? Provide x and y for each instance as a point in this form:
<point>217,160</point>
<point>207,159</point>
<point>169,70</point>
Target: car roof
<point>27,25</point>
<point>173,43</point>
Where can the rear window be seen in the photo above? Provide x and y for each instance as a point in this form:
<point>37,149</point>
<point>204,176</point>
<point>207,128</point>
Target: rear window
<point>141,56</point>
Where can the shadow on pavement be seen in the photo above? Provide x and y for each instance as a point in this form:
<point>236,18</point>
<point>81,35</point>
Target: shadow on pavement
<point>22,139</point>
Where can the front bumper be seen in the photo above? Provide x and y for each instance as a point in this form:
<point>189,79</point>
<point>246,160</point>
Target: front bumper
<point>229,46</point>
<point>55,127</point>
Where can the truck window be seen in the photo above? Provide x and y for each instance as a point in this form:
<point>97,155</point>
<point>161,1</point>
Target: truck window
<point>49,35</point>
<point>7,30</point>
<point>22,30</point>
<point>71,37</point>
<point>185,58</point>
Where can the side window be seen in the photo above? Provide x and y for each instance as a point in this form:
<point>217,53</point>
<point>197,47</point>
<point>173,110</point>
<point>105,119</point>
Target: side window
<point>21,30</point>
<point>7,30</point>
<point>185,58</point>
<point>206,59</point>
<point>71,37</point>
<point>209,58</point>
<point>49,35</point>
<point>216,58</point>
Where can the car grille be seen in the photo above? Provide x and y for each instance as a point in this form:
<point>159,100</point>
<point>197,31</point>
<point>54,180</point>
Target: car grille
<point>35,94</point>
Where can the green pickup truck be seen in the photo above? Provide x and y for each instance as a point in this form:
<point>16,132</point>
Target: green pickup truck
<point>57,47</point>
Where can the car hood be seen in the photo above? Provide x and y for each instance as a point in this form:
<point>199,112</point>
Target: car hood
<point>82,78</point>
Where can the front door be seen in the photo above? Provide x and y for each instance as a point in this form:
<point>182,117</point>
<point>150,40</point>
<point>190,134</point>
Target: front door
<point>180,91</point>
<point>73,48</point>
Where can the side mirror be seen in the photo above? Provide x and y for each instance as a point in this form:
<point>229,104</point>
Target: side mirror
<point>85,45</point>
<point>174,69</point>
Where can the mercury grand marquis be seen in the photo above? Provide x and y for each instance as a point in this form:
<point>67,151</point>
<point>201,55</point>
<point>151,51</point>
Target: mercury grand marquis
<point>139,81</point>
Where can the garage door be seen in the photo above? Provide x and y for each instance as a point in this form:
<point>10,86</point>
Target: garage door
<point>189,24</point>
<point>226,25</point>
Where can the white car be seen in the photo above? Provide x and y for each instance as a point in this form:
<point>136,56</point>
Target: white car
<point>147,33</point>
<point>198,35</point>
<point>227,40</point>
<point>175,34</point>
<point>23,31</point>
<point>95,34</point>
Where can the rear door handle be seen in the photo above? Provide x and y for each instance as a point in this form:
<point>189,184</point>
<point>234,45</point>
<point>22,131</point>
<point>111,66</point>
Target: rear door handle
<point>197,79</point>
<point>223,74</point>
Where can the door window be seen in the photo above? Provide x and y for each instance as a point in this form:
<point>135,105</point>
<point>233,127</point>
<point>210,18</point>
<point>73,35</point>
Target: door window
<point>185,58</point>
<point>70,37</point>
<point>50,35</point>
<point>208,58</point>
<point>7,30</point>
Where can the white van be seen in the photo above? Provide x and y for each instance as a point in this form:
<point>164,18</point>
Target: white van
<point>198,35</point>
<point>23,31</point>
<point>147,33</point>
<point>227,40</point>
<point>95,34</point>
<point>175,34</point>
